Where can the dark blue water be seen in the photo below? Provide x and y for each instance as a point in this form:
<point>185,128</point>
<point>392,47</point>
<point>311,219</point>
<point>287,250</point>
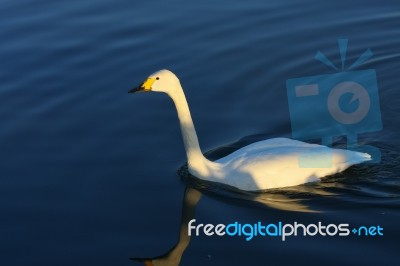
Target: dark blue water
<point>88,172</point>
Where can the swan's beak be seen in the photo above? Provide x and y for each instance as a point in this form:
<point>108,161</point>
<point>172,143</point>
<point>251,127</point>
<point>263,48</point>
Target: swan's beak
<point>144,87</point>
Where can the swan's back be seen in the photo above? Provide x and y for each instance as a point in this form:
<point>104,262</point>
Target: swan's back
<point>282,162</point>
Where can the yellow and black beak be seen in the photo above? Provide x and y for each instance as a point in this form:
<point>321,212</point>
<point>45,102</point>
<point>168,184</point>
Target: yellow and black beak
<point>144,87</point>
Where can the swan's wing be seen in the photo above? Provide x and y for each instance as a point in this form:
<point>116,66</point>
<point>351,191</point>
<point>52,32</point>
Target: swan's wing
<point>266,145</point>
<point>275,158</point>
<point>281,166</point>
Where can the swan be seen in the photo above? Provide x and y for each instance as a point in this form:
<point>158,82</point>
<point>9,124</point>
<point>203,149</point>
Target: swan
<point>267,164</point>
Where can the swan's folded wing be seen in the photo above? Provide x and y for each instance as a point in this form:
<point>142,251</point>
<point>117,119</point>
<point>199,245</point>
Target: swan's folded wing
<point>265,146</point>
<point>282,166</point>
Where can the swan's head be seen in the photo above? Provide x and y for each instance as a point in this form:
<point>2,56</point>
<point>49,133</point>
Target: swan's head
<point>160,81</point>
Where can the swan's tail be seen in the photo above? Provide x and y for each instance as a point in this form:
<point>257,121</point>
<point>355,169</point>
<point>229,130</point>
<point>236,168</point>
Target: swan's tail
<point>359,157</point>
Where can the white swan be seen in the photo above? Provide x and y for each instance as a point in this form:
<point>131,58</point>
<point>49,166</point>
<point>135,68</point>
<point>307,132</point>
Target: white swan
<point>266,164</point>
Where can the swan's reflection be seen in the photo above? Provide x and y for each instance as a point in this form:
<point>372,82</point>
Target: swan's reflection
<point>174,255</point>
<point>190,200</point>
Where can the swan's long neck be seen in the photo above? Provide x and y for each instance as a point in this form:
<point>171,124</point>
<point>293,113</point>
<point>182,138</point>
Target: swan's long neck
<point>196,161</point>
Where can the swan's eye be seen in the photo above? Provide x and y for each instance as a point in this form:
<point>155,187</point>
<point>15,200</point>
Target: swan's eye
<point>157,78</point>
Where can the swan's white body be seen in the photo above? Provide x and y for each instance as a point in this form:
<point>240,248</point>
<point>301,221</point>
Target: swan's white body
<point>271,163</point>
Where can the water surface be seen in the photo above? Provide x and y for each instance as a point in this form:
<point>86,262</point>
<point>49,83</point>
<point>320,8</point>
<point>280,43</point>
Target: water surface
<point>88,172</point>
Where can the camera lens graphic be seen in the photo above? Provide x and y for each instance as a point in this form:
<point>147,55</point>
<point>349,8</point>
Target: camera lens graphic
<point>359,94</point>
<point>342,103</point>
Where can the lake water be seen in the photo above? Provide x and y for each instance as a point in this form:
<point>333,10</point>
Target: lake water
<point>88,173</point>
